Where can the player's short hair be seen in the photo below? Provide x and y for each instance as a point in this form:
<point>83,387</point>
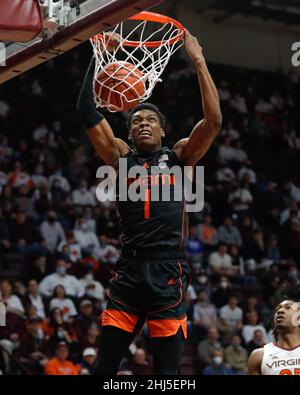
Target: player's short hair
<point>146,106</point>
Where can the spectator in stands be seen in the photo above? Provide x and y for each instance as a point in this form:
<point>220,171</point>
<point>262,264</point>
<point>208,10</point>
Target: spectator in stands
<point>222,293</point>
<point>236,356</point>
<point>238,102</point>
<point>12,302</point>
<point>226,152</point>
<point>93,289</point>
<point>217,366</point>
<point>228,233</point>
<point>257,341</point>
<point>52,232</point>
<point>247,170</point>
<point>251,305</point>
<point>207,232</point>
<point>224,92</point>
<point>285,214</point>
<point>139,365</point>
<point>60,365</point>
<point>252,324</point>
<point>86,365</point>
<point>237,259</point>
<point>34,298</point>
<point>33,347</point>
<point>91,336</point>
<point>225,174</point>
<point>291,236</point>
<point>86,239</point>
<point>24,235</point>
<point>66,305</point>
<point>84,319</point>
<point>71,284</point>
<point>37,268</point>
<point>274,254</point>
<point>38,177</point>
<point>18,177</point>
<point>256,254</point>
<point>240,155</point>
<point>71,246</point>
<point>82,196</point>
<point>231,317</point>
<point>204,313</point>
<point>194,248</point>
<point>207,346</point>
<point>240,199</point>
<point>106,252</point>
<point>220,262</point>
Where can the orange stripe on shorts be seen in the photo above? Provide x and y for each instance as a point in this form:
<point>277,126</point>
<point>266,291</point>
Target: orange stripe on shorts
<point>167,327</point>
<point>120,319</point>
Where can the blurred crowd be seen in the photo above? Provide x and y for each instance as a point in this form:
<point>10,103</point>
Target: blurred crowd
<point>59,245</point>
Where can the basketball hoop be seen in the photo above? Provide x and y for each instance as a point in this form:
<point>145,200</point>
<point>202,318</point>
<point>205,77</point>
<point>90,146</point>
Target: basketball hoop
<point>147,41</point>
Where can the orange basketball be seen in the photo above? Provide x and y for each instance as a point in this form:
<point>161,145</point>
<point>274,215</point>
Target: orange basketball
<point>120,84</point>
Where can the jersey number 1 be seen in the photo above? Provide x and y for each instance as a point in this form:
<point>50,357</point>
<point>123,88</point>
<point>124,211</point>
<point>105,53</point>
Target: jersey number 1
<point>147,204</point>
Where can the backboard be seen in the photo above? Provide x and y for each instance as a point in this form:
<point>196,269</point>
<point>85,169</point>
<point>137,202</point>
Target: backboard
<point>76,22</point>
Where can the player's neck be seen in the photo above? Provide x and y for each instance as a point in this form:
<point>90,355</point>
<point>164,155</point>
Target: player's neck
<point>289,340</point>
<point>145,153</point>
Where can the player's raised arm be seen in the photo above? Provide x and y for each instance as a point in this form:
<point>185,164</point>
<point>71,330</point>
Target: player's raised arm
<point>99,131</point>
<point>192,149</point>
<point>254,362</point>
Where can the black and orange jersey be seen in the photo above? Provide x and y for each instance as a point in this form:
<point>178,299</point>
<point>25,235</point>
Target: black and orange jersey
<point>148,224</point>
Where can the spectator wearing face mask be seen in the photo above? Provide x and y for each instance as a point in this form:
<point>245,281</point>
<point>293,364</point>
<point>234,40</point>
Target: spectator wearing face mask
<point>71,284</point>
<point>207,346</point>
<point>82,196</point>
<point>222,293</point>
<point>52,232</point>
<point>200,279</point>
<point>217,367</point>
<point>236,356</point>
<point>86,239</point>
<point>93,289</point>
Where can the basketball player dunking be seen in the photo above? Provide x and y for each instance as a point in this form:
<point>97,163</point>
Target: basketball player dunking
<point>282,357</point>
<point>152,274</point>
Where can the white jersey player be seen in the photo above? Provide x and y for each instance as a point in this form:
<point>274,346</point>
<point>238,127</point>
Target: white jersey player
<point>282,357</point>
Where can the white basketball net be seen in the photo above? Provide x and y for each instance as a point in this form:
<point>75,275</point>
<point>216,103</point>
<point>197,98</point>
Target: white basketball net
<point>150,61</point>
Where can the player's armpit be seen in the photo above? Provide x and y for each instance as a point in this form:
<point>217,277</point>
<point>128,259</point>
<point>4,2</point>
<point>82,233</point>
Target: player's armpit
<point>254,362</point>
<point>106,145</point>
